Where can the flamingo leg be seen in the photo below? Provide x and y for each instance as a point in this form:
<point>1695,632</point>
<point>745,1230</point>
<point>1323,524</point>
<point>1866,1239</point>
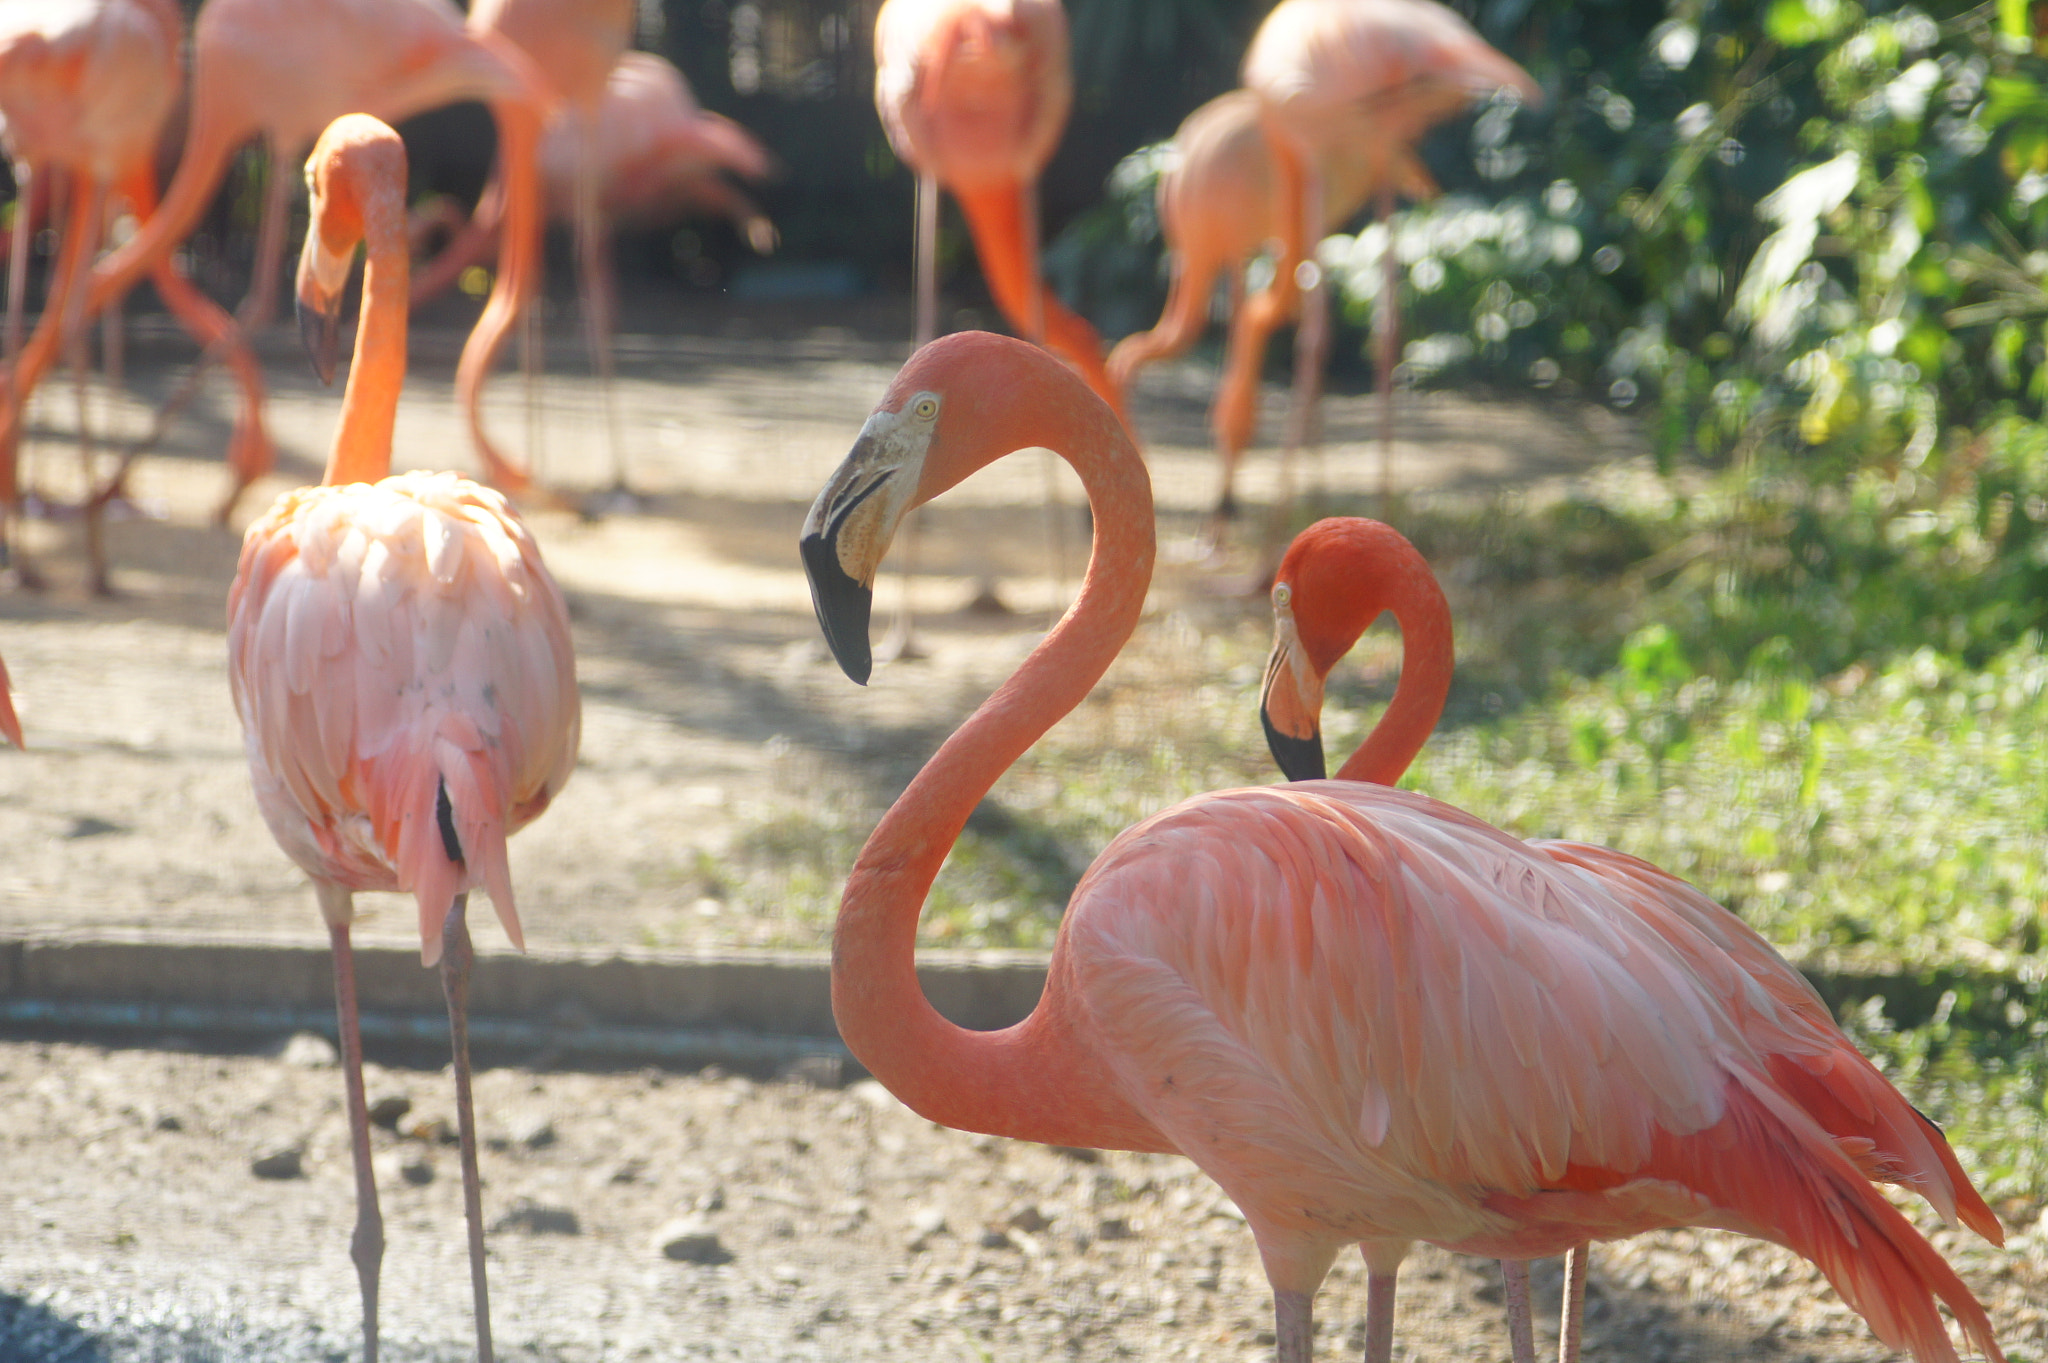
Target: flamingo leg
<point>927,259</point>
<point>1311,337</point>
<point>17,304</point>
<point>88,213</point>
<point>1572,1321</point>
<point>1521,1329</point>
<point>1379,1318</point>
<point>591,246</point>
<point>261,303</point>
<point>1294,1326</point>
<point>1386,344</point>
<point>456,956</point>
<point>366,1246</point>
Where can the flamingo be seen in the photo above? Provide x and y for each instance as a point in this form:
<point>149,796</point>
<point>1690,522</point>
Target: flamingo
<point>658,155</point>
<point>286,70</point>
<point>974,95</point>
<point>575,45</point>
<point>1363,79</point>
<point>400,660</point>
<point>1216,211</point>
<point>85,86</point>
<point>1336,578</point>
<point>1369,1016</point>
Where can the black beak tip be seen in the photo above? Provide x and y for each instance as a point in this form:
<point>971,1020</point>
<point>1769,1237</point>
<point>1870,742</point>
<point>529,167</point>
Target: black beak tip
<point>843,607</point>
<point>321,331</point>
<point>1299,759</point>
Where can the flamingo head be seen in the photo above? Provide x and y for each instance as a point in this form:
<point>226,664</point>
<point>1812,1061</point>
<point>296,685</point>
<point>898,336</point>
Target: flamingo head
<point>854,519</point>
<point>957,405</point>
<point>357,170</point>
<point>1337,577</point>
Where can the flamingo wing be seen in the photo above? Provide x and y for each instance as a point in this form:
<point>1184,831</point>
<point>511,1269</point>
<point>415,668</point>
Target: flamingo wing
<point>401,662</point>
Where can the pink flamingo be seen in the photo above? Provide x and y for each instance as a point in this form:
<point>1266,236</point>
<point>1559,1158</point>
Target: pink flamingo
<point>400,660</point>
<point>1362,79</point>
<point>658,156</point>
<point>575,45</point>
<point>85,87</point>
<point>1339,575</point>
<point>974,95</point>
<point>1369,1016</point>
<point>1216,211</point>
<point>285,70</point>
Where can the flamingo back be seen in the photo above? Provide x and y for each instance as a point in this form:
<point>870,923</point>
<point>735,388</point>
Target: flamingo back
<point>288,69</point>
<point>975,92</point>
<point>394,647</point>
<point>1375,73</point>
<point>87,84</point>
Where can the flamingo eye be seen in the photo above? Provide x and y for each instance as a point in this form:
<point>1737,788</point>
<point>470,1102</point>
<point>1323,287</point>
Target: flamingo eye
<point>1282,594</point>
<point>925,409</point>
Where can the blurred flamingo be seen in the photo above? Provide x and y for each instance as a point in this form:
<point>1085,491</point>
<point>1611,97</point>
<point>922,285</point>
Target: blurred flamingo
<point>1217,211</point>
<point>400,660</point>
<point>285,70</point>
<point>1336,579</point>
<point>1367,1015</point>
<point>1364,80</point>
<point>575,45</point>
<point>974,95</point>
<point>658,156</point>
<point>85,86</point>
<point>655,156</point>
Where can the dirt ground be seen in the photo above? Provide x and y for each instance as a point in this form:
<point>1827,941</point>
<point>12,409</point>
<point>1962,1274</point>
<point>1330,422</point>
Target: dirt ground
<point>133,1226</point>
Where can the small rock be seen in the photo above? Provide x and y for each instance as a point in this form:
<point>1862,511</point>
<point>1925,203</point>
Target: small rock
<point>925,1226</point>
<point>713,1200</point>
<point>1030,1220</point>
<point>691,1240</point>
<point>1114,1228</point>
<point>388,1109</point>
<point>534,1131</point>
<point>1080,1154</point>
<point>539,1218</point>
<point>626,1171</point>
<point>309,1051</point>
<point>404,1166</point>
<point>286,1162</point>
<point>167,1121</point>
<point>993,1238</point>
<point>433,1130</point>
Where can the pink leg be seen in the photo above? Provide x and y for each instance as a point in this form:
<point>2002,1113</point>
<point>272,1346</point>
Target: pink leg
<point>1573,1321</point>
<point>1294,1327</point>
<point>1379,1318</point>
<point>1387,345</point>
<point>367,1246</point>
<point>261,303</point>
<point>456,956</point>
<point>1521,1331</point>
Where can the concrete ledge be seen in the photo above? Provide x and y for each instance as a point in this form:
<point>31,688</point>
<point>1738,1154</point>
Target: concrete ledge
<point>741,1007</point>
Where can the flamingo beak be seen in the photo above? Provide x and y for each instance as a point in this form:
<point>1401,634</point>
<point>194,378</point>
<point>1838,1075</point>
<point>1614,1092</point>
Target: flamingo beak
<point>1290,707</point>
<point>851,524</point>
<point>320,328</point>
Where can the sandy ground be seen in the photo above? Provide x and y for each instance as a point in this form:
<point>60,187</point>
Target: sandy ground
<point>133,1225</point>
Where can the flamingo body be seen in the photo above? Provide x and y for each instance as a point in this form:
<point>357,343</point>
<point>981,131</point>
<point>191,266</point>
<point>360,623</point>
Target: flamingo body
<point>974,95</point>
<point>1370,1017</point>
<point>389,641</point>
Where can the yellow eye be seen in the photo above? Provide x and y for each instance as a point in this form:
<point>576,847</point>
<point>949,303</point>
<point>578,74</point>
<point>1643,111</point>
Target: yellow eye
<point>926,409</point>
<point>1281,595</point>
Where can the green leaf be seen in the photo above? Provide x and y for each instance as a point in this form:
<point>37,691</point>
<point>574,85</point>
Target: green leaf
<point>1795,23</point>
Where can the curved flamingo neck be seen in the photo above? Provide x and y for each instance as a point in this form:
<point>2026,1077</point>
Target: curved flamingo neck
<point>361,452</point>
<point>1036,1080</point>
<point>519,128</point>
<point>1411,592</point>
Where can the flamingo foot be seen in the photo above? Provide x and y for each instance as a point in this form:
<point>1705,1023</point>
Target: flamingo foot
<point>456,956</point>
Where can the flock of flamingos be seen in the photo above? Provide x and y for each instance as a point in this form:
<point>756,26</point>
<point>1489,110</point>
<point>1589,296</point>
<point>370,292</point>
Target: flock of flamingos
<point>1371,1017</point>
